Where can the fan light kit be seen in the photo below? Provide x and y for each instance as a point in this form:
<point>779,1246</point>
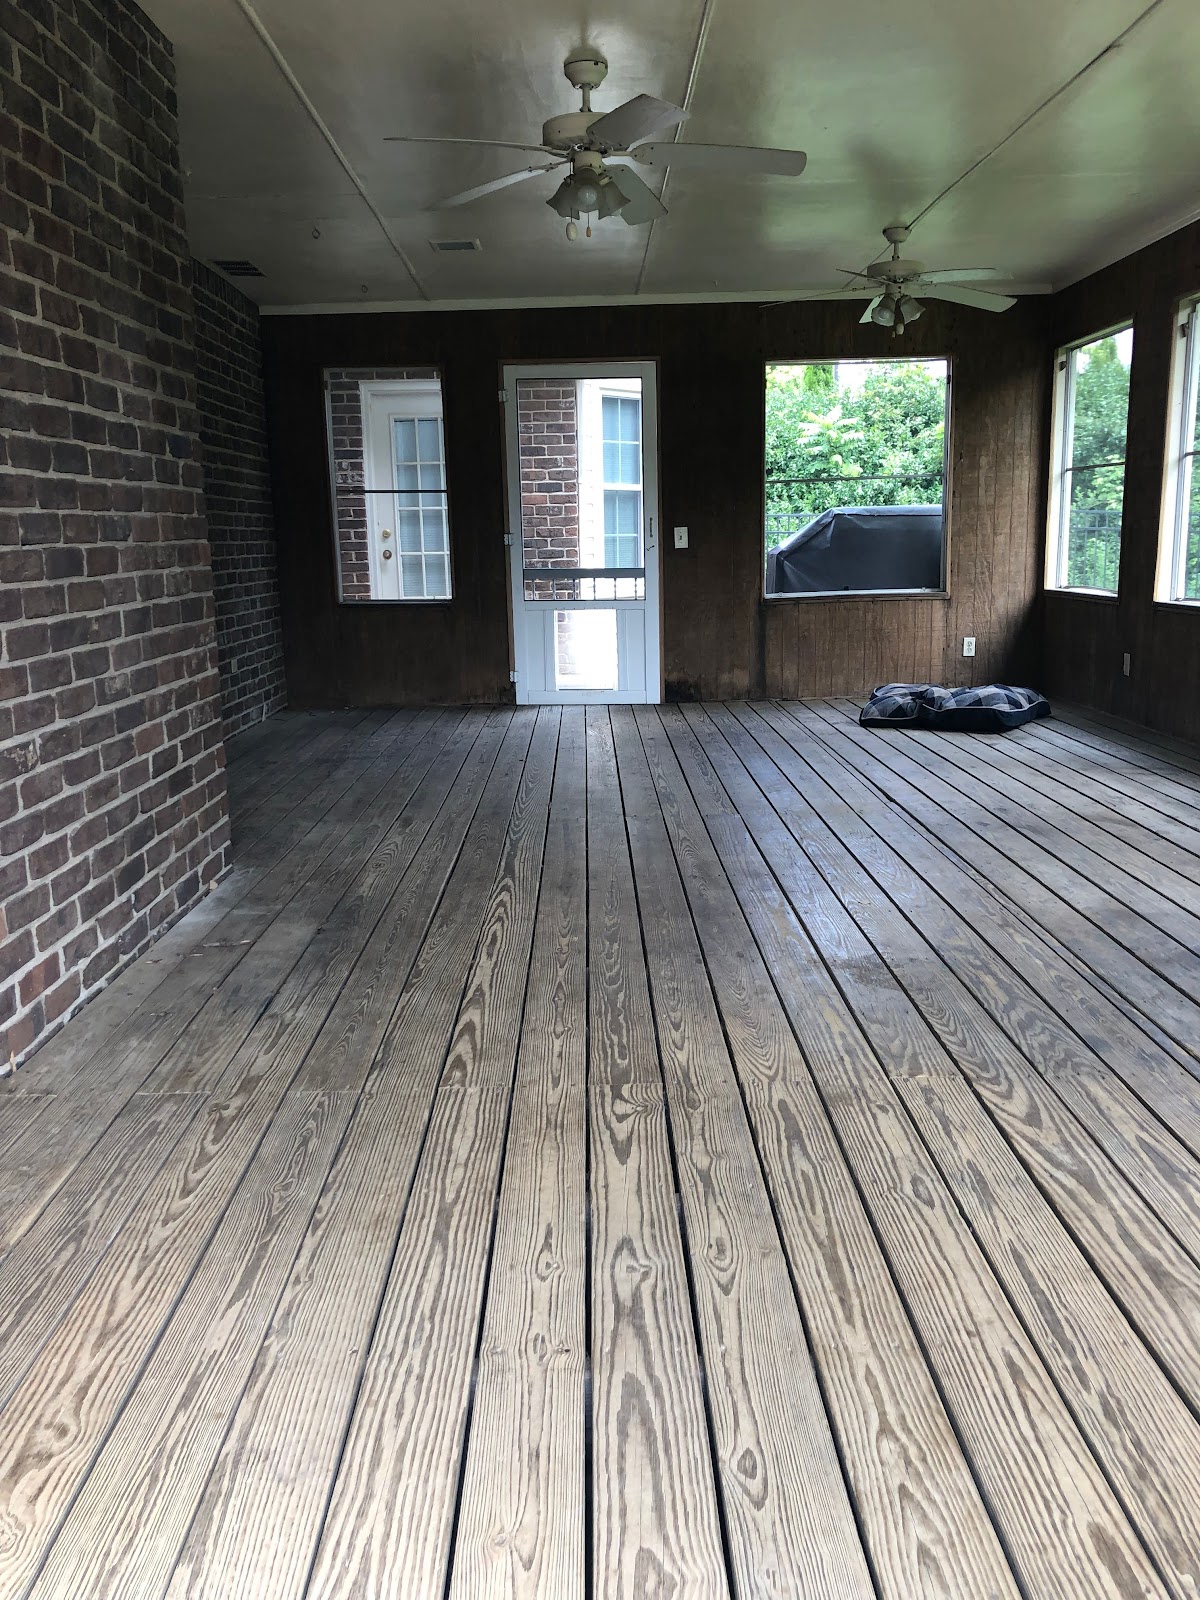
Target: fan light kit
<point>588,142</point>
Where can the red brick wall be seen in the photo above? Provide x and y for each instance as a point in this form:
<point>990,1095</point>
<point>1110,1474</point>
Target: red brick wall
<point>237,497</point>
<point>113,812</point>
<point>549,451</point>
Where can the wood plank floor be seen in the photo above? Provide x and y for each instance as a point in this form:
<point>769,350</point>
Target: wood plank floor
<point>698,1151</point>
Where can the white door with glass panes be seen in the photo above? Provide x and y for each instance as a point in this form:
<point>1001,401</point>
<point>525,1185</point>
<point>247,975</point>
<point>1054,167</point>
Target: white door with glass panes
<point>582,485</point>
<point>408,529</point>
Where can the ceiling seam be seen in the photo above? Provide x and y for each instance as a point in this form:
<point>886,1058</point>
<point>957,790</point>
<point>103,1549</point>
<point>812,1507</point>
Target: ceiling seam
<point>1113,44</point>
<point>706,14</point>
<point>297,88</point>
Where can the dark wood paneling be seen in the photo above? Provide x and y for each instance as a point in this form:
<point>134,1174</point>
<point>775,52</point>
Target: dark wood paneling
<point>721,639</point>
<point>1085,639</point>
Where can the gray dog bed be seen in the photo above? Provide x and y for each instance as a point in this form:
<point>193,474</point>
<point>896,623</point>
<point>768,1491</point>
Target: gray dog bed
<point>991,708</point>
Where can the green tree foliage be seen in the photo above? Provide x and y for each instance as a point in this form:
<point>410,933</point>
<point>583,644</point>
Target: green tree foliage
<point>880,444</point>
<point>1098,463</point>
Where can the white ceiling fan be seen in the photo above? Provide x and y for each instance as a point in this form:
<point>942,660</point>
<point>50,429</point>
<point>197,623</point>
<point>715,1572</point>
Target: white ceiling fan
<point>591,142</point>
<point>894,284</point>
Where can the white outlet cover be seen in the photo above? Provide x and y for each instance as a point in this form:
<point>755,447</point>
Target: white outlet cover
<point>969,645</point>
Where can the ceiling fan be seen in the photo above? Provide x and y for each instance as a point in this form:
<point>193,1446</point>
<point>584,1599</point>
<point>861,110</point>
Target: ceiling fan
<point>893,285</point>
<point>590,143</point>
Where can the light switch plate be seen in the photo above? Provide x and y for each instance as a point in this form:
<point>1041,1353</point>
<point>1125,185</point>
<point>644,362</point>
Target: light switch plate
<point>681,538</point>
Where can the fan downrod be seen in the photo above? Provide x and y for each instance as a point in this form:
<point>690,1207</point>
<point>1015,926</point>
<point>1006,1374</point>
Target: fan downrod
<point>585,70</point>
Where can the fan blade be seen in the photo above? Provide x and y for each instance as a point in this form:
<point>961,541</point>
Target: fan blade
<point>850,272</point>
<point>487,144</point>
<point>636,119</point>
<point>836,294</point>
<point>478,192</point>
<point>978,298</point>
<point>963,274</point>
<point>866,316</point>
<point>644,205</point>
<point>740,160</point>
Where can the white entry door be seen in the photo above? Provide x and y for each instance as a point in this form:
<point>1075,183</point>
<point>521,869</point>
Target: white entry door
<point>583,513</point>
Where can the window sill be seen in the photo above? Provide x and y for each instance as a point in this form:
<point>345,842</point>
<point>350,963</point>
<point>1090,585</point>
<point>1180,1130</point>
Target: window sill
<point>1106,596</point>
<point>858,594</point>
<point>1177,605</point>
<point>359,605</point>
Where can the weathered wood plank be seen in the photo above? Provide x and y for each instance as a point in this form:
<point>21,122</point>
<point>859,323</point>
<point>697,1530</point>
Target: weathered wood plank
<point>1166,901</point>
<point>390,1520</point>
<point>524,1507</point>
<point>152,1258</point>
<point>187,963</point>
<point>1173,1009</point>
<point>43,1270</point>
<point>791,1525</point>
<point>1122,808</point>
<point>184,1059</point>
<point>17,1114</point>
<point>656,1526</point>
<point>120,1535</point>
<point>1030,991</point>
<point>925,1524</point>
<point>709,1070</point>
<point>1066,1532</point>
<point>1176,759</point>
<point>1078,1330</point>
<point>277,1465</point>
<point>1119,941</point>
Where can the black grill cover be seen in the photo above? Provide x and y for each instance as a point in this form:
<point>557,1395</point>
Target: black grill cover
<point>860,547</point>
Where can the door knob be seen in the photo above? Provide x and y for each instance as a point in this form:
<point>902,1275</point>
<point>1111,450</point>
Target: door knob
<point>386,534</point>
<point>387,555</point>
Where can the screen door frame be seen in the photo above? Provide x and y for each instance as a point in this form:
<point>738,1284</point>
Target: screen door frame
<point>639,622</point>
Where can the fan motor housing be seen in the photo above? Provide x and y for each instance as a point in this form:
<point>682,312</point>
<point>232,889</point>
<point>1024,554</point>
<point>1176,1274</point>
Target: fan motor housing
<point>569,130</point>
<point>895,269</point>
<point>585,69</point>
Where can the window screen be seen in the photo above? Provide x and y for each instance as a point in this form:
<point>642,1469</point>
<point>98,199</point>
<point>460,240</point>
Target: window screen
<point>1091,403</point>
<point>855,476</point>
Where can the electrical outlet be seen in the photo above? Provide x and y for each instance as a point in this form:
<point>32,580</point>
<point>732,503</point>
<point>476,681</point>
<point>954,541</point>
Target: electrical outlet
<point>1125,663</point>
<point>969,644</point>
<point>681,538</point>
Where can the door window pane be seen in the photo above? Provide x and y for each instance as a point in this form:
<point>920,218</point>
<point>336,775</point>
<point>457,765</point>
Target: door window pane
<point>585,650</point>
<point>390,503</point>
<point>622,458</point>
<point>581,497</point>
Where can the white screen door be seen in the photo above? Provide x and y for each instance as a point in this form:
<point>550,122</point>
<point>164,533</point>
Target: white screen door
<point>583,509</point>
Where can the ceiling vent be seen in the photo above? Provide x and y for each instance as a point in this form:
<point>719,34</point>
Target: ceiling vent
<point>454,246</point>
<point>239,269</point>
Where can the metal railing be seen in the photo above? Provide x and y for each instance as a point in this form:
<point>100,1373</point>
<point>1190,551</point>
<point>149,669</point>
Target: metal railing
<point>1093,548</point>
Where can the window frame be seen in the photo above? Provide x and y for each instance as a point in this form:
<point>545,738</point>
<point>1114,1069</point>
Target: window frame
<point>429,379</point>
<point>1179,475</point>
<point>823,595</point>
<point>1062,439</point>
